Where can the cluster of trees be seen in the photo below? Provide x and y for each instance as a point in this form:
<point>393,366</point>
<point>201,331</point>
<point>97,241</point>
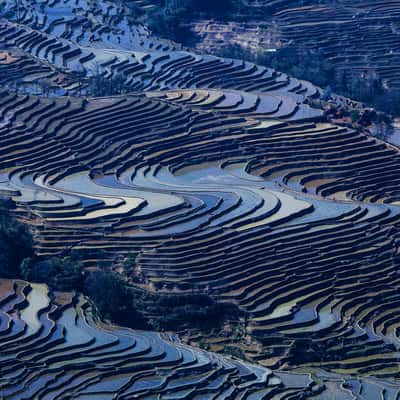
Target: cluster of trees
<point>16,241</point>
<point>99,85</point>
<point>306,64</point>
<point>60,273</point>
<point>96,82</point>
<point>135,12</point>
<point>311,65</point>
<point>138,308</point>
<point>302,63</point>
<point>171,18</point>
<point>194,8</point>
<point>116,301</point>
<point>189,311</point>
<point>388,101</point>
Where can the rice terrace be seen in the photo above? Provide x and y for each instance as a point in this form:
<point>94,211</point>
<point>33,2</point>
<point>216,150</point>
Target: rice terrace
<point>199,199</point>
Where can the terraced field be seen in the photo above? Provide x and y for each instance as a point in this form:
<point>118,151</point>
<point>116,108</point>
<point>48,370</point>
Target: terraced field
<point>53,347</point>
<point>224,178</point>
<point>150,70</point>
<point>358,37</point>
<point>263,212</point>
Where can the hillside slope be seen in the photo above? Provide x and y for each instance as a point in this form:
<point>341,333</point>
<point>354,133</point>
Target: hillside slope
<point>359,40</point>
<point>223,177</point>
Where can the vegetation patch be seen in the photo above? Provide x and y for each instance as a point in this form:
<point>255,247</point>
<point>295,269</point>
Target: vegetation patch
<point>16,242</point>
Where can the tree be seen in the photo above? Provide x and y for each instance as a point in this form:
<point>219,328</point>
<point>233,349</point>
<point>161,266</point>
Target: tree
<point>236,51</point>
<point>100,85</point>
<point>60,273</point>
<point>382,130</point>
<point>113,299</point>
<point>302,63</point>
<point>16,242</point>
<point>389,102</point>
<point>209,7</point>
<point>171,21</point>
<point>79,74</point>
